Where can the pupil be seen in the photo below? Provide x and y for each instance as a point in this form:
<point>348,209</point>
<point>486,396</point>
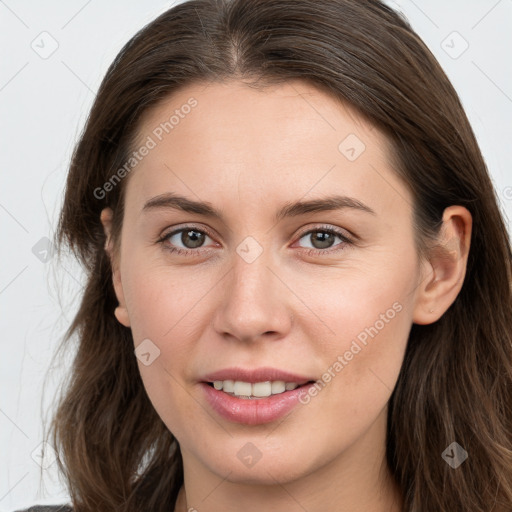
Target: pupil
<point>196,237</point>
<point>324,239</point>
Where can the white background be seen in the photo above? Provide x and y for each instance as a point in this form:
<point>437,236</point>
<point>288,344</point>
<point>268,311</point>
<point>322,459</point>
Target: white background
<point>43,105</point>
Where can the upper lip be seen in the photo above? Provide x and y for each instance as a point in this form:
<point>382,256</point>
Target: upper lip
<point>253,375</point>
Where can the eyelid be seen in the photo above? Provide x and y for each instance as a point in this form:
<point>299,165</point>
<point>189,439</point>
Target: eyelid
<point>346,241</point>
<point>343,233</point>
<point>191,226</point>
<point>346,236</point>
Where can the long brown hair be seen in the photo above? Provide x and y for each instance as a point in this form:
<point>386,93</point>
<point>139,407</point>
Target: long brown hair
<point>456,380</point>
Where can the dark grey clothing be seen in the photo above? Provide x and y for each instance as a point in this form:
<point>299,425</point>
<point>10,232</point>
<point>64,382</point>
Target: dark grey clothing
<point>48,508</point>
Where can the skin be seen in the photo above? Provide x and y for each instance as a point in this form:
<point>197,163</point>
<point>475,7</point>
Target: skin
<point>248,152</point>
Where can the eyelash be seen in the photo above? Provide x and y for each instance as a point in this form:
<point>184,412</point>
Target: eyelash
<point>310,252</point>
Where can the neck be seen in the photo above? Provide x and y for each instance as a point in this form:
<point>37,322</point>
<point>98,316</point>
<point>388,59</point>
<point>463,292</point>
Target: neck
<point>391,501</point>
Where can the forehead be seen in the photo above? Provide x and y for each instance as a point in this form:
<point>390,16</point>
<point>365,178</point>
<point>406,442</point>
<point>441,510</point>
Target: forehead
<point>216,140</point>
<point>240,111</point>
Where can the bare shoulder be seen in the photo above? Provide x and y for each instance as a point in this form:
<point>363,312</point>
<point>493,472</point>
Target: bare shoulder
<point>48,508</point>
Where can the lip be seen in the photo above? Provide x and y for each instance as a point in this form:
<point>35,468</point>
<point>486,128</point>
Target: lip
<point>253,375</point>
<point>255,411</point>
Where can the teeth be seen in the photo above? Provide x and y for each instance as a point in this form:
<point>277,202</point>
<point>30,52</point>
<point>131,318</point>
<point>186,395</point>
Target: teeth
<point>262,389</point>
<point>228,386</point>
<point>254,390</point>
<point>242,388</point>
<point>278,386</point>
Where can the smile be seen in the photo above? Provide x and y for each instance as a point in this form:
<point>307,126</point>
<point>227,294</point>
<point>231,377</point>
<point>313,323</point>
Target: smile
<point>254,390</point>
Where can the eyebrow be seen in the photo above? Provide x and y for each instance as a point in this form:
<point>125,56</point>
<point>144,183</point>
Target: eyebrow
<point>175,201</point>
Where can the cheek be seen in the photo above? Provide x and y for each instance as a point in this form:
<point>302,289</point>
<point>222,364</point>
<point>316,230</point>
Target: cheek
<point>359,303</point>
<point>167,307</point>
<point>360,370</point>
<point>162,300</point>
<point>369,316</point>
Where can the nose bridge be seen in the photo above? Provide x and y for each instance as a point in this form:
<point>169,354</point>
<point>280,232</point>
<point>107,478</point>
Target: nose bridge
<point>253,301</point>
<point>251,271</point>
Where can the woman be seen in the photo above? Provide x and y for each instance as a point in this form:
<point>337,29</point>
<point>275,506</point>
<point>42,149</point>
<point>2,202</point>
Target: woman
<point>224,365</point>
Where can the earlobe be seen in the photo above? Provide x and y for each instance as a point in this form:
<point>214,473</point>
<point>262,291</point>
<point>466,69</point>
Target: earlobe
<point>445,269</point>
<point>121,312</point>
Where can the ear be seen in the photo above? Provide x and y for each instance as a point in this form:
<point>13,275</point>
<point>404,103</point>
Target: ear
<point>121,311</point>
<point>444,269</point>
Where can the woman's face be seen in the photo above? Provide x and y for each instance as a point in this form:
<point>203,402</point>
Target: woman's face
<point>279,283</point>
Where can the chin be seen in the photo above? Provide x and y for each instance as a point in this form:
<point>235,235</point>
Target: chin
<point>268,466</point>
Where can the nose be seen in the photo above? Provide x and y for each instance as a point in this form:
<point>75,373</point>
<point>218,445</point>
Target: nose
<point>254,303</point>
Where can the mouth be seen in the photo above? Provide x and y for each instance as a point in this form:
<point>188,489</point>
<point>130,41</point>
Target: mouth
<point>256,390</point>
<point>253,403</point>
<point>254,396</point>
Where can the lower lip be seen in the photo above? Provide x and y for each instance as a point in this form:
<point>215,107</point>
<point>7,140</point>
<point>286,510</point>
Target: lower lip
<point>253,411</point>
